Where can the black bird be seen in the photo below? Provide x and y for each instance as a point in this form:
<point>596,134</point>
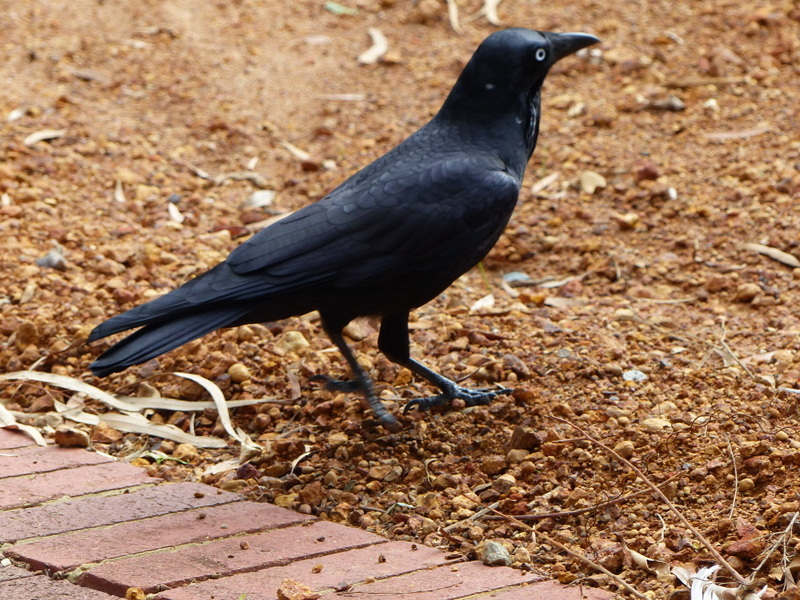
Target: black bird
<point>387,240</point>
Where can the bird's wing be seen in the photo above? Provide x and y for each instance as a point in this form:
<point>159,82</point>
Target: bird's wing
<point>401,220</point>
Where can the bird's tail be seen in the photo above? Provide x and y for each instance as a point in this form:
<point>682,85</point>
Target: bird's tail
<point>160,337</point>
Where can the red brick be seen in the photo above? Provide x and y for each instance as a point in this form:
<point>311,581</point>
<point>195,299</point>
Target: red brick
<point>549,590</point>
<point>40,587</point>
<point>39,459</point>
<point>93,511</point>
<point>67,551</point>
<point>10,438</point>
<point>443,583</point>
<point>219,558</point>
<point>12,572</point>
<point>347,567</point>
<point>35,489</point>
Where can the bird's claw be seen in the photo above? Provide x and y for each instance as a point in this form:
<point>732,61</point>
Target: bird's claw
<point>338,385</point>
<point>470,398</point>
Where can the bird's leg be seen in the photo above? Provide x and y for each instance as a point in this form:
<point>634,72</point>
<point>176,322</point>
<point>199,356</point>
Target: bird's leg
<point>361,381</point>
<point>393,342</point>
<point>338,385</point>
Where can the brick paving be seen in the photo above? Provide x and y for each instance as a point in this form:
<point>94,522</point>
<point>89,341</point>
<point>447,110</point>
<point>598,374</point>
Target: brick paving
<point>77,525</point>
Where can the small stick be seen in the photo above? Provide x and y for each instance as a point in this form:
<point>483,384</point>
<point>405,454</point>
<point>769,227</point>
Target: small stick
<point>714,552</point>
<point>563,548</point>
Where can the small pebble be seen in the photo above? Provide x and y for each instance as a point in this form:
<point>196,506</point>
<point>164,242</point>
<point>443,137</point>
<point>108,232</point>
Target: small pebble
<point>186,452</point>
<point>655,425</point>
<point>239,373</point>
<point>747,292</point>
<point>495,554</point>
<point>293,341</point>
<point>69,437</point>
<point>634,375</point>
<point>624,448</point>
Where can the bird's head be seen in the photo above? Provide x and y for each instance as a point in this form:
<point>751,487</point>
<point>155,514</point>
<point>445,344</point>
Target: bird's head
<point>503,78</point>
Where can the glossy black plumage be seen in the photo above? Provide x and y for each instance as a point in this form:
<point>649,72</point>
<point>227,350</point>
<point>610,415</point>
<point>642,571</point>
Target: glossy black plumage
<point>390,238</point>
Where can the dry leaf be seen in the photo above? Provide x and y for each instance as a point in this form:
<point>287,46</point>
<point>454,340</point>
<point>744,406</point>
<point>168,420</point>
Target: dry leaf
<point>591,181</point>
<point>15,114</point>
<point>379,47</point>
<point>7,421</point>
<point>490,10</point>
<point>736,135</point>
<point>452,15</point>
<point>174,213</point>
<point>158,403</point>
<point>702,586</point>
<point>782,257</point>
<point>137,423</point>
<point>222,408</point>
<point>119,193</point>
<point>648,564</point>
<point>295,151</point>
<point>559,302</point>
<point>545,182</point>
<point>69,383</point>
<point>483,304</point>
<point>43,135</point>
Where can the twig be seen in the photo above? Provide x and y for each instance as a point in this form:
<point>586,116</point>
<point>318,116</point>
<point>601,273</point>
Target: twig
<point>724,343</point>
<point>544,537</point>
<point>714,552</point>
<point>735,478</point>
<point>691,338</point>
<point>785,534</point>
<point>595,507</point>
<point>473,517</point>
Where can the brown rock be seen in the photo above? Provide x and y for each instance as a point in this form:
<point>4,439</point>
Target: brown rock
<point>278,469</point>
<point>516,455</point>
<point>515,365</point>
<point>379,471</point>
<point>285,500</point>
<point>525,438</point>
<point>186,452</point>
<point>625,448</point>
<point>646,171</point>
<point>312,494</point>
<point>504,483</point>
<point>69,437</point>
<point>755,464</point>
<point>104,434</point>
<point>26,334</point>
<point>716,283</point>
<point>239,373</point>
<point>444,481</point>
<point>294,590</point>
<point>745,549</point>
<point>492,465</point>
<point>234,485</point>
<point>747,292</point>
<point>135,594</point>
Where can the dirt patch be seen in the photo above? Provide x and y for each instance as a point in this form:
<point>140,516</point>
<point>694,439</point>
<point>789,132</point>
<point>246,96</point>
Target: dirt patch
<point>656,331</point>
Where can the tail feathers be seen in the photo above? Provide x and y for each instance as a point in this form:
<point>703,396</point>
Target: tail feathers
<point>153,312</point>
<point>158,338</point>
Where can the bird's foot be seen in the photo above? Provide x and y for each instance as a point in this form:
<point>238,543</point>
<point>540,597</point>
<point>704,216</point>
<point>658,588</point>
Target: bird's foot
<point>385,418</point>
<point>470,398</point>
<point>338,385</point>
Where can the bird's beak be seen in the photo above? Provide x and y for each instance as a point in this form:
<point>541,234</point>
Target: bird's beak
<point>564,44</point>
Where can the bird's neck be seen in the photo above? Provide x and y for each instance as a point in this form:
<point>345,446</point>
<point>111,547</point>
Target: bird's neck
<point>510,133</point>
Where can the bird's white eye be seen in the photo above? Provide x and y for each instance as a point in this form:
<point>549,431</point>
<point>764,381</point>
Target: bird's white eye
<point>540,54</point>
